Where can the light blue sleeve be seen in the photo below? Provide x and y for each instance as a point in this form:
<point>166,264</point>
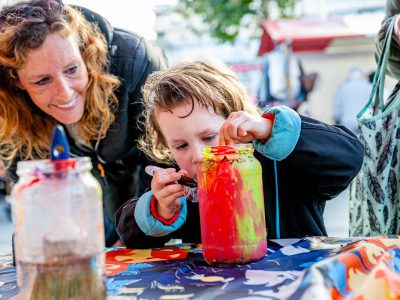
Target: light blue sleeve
<point>284,136</point>
<point>151,226</point>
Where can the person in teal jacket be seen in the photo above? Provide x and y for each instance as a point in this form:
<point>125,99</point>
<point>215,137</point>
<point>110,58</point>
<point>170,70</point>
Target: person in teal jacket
<point>194,104</point>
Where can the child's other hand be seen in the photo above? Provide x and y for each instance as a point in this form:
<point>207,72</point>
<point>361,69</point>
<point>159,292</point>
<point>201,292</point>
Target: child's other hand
<point>167,192</point>
<point>243,127</point>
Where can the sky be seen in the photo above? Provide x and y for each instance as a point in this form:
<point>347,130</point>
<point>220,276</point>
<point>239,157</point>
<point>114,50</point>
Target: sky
<point>136,15</point>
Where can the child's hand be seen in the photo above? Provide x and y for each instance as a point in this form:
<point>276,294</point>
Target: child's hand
<point>167,192</point>
<point>243,127</point>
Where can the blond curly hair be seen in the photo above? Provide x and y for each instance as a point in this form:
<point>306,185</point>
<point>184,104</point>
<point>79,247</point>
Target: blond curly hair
<point>25,130</point>
<point>211,84</point>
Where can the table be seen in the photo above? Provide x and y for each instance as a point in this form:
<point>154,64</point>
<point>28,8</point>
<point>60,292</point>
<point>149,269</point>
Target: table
<point>311,268</point>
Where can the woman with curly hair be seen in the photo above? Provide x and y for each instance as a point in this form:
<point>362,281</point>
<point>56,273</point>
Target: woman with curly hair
<point>67,65</point>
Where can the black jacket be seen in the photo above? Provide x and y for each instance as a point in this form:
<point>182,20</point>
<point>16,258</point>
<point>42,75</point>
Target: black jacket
<point>325,160</point>
<point>132,59</point>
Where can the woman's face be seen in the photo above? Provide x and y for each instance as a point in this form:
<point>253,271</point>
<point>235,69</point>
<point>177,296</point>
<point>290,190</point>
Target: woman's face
<point>56,78</point>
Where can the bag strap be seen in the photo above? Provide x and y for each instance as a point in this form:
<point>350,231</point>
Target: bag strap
<point>300,64</point>
<point>378,84</point>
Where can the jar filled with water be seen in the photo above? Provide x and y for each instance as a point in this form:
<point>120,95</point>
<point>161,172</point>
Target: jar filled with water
<point>58,226</point>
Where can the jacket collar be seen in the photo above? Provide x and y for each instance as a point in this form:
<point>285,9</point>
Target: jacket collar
<point>103,24</point>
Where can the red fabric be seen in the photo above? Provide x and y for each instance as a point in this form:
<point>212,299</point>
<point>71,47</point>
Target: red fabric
<point>153,211</point>
<point>269,117</point>
<point>307,35</point>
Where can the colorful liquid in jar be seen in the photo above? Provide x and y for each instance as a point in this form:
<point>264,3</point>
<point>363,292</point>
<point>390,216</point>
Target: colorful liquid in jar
<point>231,205</point>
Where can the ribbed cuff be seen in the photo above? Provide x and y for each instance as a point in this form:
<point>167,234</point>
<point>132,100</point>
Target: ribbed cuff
<point>269,117</point>
<point>149,224</point>
<point>153,210</point>
<point>284,135</point>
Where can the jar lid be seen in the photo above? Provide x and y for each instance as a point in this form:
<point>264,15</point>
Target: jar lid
<point>47,166</point>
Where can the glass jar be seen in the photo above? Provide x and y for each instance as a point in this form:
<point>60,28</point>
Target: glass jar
<point>59,232</point>
<point>231,204</point>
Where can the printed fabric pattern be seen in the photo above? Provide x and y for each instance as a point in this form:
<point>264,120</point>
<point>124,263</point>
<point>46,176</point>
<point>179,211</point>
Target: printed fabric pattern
<point>374,194</point>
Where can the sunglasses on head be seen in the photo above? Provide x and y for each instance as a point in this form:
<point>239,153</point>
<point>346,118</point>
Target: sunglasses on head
<point>35,8</point>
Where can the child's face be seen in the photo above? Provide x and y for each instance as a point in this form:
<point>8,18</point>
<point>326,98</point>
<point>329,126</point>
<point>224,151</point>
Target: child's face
<point>187,136</point>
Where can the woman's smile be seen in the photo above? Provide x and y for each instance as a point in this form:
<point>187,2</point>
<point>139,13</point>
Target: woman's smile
<point>68,106</point>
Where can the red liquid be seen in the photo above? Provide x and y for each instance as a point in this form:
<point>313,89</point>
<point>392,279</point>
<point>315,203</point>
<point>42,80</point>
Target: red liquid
<point>232,211</point>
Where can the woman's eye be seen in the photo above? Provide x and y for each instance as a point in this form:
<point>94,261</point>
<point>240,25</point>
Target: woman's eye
<point>72,70</point>
<point>42,81</point>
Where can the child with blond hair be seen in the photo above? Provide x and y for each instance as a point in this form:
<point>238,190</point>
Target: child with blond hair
<point>195,104</point>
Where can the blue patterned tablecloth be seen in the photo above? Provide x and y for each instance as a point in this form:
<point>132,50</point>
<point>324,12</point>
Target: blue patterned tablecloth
<point>312,268</point>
